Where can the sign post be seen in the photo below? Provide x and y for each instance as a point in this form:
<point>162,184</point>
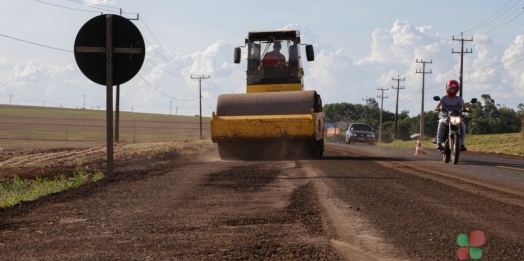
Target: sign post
<point>121,62</point>
<point>117,114</point>
<point>109,92</point>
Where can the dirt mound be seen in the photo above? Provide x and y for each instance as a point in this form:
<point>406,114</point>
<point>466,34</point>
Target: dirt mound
<point>47,163</point>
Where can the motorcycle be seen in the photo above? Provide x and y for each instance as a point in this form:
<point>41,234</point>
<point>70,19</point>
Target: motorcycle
<point>452,132</point>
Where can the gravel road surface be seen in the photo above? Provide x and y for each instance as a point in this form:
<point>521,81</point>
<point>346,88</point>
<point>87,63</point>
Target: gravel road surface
<point>350,205</point>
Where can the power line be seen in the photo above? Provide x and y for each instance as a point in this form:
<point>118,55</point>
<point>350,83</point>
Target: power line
<point>495,63</point>
<point>92,6</point>
<point>66,7</point>
<point>207,103</point>
<point>412,99</point>
<point>511,31</point>
<point>496,70</point>
<point>163,56</point>
<point>214,85</point>
<point>182,68</point>
<point>211,89</point>
<point>479,25</point>
<point>445,57</point>
<point>86,4</point>
<point>503,25</point>
<point>89,4</point>
<point>444,47</point>
<point>440,50</point>
<point>37,44</point>
<point>163,69</point>
<point>162,91</point>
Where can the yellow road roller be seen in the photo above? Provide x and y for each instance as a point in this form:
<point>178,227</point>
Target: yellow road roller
<point>276,119</point>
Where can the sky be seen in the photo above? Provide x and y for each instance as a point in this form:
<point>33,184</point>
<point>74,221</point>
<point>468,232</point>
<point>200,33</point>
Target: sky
<point>360,46</point>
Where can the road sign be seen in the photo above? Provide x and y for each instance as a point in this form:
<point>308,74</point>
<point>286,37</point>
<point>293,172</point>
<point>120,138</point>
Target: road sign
<point>91,51</point>
<point>109,50</point>
<point>330,125</point>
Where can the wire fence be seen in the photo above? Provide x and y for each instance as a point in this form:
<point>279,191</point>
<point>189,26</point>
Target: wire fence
<point>93,128</point>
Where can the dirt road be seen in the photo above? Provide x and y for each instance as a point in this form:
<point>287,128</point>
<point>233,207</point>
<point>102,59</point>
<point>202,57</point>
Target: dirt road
<point>344,207</point>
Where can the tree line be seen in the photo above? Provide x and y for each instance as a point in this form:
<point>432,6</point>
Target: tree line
<point>487,117</point>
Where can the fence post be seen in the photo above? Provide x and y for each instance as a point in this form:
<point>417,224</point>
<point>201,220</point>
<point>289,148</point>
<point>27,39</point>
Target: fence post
<point>134,129</point>
<point>522,129</point>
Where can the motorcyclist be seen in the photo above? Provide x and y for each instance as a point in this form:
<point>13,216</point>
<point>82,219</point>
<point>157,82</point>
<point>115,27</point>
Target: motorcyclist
<point>450,102</point>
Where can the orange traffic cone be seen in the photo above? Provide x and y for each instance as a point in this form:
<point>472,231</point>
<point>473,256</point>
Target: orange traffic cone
<point>418,150</point>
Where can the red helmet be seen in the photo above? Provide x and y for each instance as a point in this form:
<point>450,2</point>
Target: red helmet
<point>452,88</point>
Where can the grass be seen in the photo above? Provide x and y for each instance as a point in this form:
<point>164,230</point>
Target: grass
<point>14,191</point>
<point>508,143</point>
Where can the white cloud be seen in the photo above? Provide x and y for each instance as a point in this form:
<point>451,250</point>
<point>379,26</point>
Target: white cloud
<point>515,69</point>
<point>333,74</point>
<point>101,2</point>
<point>403,43</point>
<point>216,60</point>
<point>34,82</point>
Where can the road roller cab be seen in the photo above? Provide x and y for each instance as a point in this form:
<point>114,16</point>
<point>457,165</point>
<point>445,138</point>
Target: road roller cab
<point>275,118</point>
<point>265,72</point>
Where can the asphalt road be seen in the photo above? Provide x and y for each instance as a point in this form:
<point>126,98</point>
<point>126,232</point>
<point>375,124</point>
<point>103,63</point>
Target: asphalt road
<point>356,203</point>
<point>504,171</point>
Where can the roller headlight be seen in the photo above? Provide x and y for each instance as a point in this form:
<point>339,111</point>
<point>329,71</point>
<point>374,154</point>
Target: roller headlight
<point>455,120</point>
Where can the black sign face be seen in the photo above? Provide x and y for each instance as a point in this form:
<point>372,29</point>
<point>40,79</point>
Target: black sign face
<point>91,58</point>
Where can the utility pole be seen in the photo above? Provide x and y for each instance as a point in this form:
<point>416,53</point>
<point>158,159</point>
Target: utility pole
<point>84,102</point>
<point>396,107</point>
<point>422,103</point>
<point>132,108</point>
<point>43,103</point>
<point>462,52</point>
<point>170,103</point>
<point>10,99</point>
<point>381,106</point>
<point>176,110</point>
<point>200,78</point>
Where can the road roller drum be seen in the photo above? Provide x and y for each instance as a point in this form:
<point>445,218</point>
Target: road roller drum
<point>276,118</point>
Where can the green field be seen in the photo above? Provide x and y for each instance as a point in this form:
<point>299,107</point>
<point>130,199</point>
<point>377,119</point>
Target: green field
<point>509,143</point>
<point>28,127</point>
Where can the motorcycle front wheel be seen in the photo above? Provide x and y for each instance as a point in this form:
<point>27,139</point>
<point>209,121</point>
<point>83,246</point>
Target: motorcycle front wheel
<point>455,148</point>
<point>446,153</point>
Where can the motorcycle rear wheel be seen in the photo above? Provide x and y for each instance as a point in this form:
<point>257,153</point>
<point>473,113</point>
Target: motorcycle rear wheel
<point>455,149</point>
